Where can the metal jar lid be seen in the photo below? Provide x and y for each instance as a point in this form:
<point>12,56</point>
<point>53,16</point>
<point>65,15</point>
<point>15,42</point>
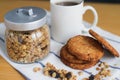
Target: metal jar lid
<point>25,18</point>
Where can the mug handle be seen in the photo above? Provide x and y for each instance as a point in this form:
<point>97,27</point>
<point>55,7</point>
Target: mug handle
<point>85,8</point>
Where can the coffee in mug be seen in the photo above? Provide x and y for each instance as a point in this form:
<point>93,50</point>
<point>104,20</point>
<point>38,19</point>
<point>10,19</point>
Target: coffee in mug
<point>67,3</point>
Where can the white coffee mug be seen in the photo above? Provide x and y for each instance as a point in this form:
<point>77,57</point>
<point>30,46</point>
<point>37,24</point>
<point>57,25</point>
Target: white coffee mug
<point>67,20</point>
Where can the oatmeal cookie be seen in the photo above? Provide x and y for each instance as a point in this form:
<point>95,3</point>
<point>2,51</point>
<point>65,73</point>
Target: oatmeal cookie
<point>104,42</point>
<point>85,48</point>
<point>68,57</point>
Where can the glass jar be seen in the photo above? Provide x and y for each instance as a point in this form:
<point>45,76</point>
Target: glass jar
<point>27,34</point>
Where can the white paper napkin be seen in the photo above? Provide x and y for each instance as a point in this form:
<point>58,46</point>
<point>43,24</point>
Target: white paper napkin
<point>53,58</point>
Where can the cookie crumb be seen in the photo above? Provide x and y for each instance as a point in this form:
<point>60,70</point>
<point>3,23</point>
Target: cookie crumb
<point>97,68</point>
<point>36,69</point>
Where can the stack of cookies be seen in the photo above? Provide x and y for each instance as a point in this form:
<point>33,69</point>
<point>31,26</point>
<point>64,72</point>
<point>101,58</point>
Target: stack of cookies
<point>82,52</point>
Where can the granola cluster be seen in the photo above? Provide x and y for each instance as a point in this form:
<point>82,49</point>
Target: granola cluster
<point>28,46</point>
<point>60,74</point>
<point>103,71</point>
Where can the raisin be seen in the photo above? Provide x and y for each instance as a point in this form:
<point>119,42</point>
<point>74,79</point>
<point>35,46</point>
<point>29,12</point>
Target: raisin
<point>51,72</point>
<point>91,77</point>
<point>68,75</point>
<point>57,75</point>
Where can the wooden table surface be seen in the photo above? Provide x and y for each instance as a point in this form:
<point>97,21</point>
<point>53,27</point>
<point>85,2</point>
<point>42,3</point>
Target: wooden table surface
<point>109,19</point>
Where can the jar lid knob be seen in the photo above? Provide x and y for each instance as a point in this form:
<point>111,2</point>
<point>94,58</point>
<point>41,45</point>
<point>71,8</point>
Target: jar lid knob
<point>30,12</point>
<point>26,12</point>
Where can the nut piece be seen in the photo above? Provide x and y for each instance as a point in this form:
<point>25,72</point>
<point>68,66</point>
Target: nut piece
<point>36,69</point>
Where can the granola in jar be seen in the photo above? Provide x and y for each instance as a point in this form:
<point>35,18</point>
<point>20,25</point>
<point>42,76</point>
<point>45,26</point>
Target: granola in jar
<point>29,41</point>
